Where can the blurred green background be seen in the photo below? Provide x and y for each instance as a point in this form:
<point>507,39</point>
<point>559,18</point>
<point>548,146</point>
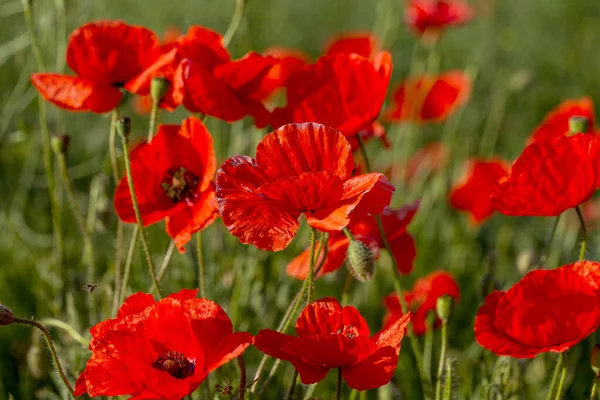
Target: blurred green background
<point>526,55</point>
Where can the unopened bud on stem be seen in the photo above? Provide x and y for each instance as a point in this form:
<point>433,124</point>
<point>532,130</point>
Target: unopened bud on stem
<point>158,88</point>
<point>124,127</point>
<point>444,307</point>
<point>6,315</point>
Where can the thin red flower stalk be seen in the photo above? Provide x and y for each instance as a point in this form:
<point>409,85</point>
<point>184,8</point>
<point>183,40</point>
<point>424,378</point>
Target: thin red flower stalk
<point>422,299</point>
<point>161,349</point>
<point>105,55</point>
<point>300,169</point>
<point>173,176</point>
<point>330,336</point>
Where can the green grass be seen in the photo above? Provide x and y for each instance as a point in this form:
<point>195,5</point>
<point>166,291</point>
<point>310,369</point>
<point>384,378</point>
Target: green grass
<point>551,45</point>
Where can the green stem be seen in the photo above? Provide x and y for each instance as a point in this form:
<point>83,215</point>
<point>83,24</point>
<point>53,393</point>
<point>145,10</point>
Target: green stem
<point>338,390</point>
<point>153,118</point>
<point>353,394</point>
<point>594,389</point>
<point>563,374</point>
<point>235,22</point>
<point>428,351</point>
<point>165,264</point>
<point>130,253</point>
<point>549,239</point>
<point>440,371</point>
<point>52,350</point>
<point>346,291</point>
<point>309,279</point>
<point>112,146</point>
<point>200,264</point>
<point>46,149</point>
<point>242,387</point>
<point>448,382</point>
<point>138,218</point>
<point>363,150</point>
<point>557,369</point>
<point>290,394</point>
<point>67,328</point>
<point>584,236</point>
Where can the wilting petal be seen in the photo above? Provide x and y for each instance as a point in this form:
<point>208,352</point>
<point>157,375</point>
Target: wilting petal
<point>77,94</point>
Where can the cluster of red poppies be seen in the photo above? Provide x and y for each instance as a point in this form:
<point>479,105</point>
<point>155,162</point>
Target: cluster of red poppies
<point>306,167</point>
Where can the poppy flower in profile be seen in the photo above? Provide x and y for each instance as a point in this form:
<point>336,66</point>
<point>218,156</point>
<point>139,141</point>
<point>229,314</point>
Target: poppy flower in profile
<point>430,17</point>
<point>365,229</point>
<point>362,43</point>
<point>474,192</point>
<point>546,311</point>
<point>299,169</point>
<point>172,176</point>
<point>556,122</point>
<point>343,91</point>
<point>549,177</point>
<point>421,300</point>
<point>330,336</point>
<point>159,350</point>
<point>104,55</point>
<point>430,98</point>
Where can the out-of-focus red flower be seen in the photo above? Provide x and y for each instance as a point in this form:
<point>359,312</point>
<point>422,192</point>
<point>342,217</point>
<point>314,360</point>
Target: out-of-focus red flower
<point>172,177</point>
<point>365,229</point>
<point>159,350</point>
<point>421,300</point>
<point>104,55</point>
<point>474,192</point>
<point>549,177</point>
<point>547,310</point>
<point>430,157</point>
<point>430,17</point>
<point>556,122</point>
<point>361,43</point>
<point>343,91</point>
<point>430,98</point>
<point>329,337</point>
<point>299,169</point>
<point>142,105</point>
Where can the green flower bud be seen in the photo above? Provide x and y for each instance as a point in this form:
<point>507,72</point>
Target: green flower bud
<point>360,261</point>
<point>444,307</point>
<point>6,315</point>
<point>124,127</point>
<point>578,124</point>
<point>158,88</point>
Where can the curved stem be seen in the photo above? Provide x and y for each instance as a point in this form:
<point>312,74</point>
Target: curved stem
<point>338,390</point>
<point>440,371</point>
<point>557,369</point>
<point>242,386</point>
<point>549,239</point>
<point>309,279</point>
<point>235,22</point>
<point>67,328</point>
<point>290,394</point>
<point>52,350</point>
<point>138,218</point>
<point>165,264</point>
<point>563,374</point>
<point>200,256</point>
<point>153,118</point>
<point>130,253</point>
<point>584,236</point>
<point>594,389</point>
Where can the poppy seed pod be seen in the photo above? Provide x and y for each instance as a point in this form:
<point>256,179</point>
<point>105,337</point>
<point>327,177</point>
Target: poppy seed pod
<point>443,307</point>
<point>6,315</point>
<point>596,360</point>
<point>124,127</point>
<point>158,88</point>
<point>578,124</point>
<point>360,261</point>
<point>60,143</point>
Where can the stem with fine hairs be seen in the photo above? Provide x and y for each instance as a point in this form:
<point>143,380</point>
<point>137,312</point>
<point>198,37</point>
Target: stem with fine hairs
<point>584,236</point>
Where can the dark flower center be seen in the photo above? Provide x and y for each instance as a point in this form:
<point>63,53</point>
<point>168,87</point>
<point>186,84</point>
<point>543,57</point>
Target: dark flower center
<point>176,364</point>
<point>349,331</point>
<point>179,183</point>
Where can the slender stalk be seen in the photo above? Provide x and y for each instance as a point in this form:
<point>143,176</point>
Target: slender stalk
<point>130,253</point>
<point>584,236</point>
<point>200,256</point>
<point>309,279</point>
<point>138,218</point>
<point>557,370</point>
<point>67,328</point>
<point>290,394</point>
<point>165,264</point>
<point>235,22</point>
<point>440,371</point>
<point>428,351</point>
<point>346,290</point>
<point>549,239</point>
<point>324,248</point>
<point>46,149</point>
<point>242,387</point>
<point>338,390</point>
<point>153,118</point>
<point>52,350</point>
<point>112,146</point>
<point>563,374</point>
<point>448,381</point>
<point>593,394</point>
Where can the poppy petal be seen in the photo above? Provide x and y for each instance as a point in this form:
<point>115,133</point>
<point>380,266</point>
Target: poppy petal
<point>230,347</point>
<point>135,304</point>
<point>404,252</point>
<point>556,122</point>
<point>372,372</point>
<point>361,43</point>
<point>204,47</point>
<point>77,94</point>
<point>248,76</point>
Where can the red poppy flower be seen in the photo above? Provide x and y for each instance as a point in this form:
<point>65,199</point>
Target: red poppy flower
<point>474,193</point>
<point>172,177</point>
<point>343,91</point>
<point>299,169</point>
<point>290,61</point>
<point>365,229</point>
<point>422,299</point>
<point>361,43</point>
<point>105,55</point>
<point>547,310</point>
<point>159,350</point>
<point>549,177</point>
<point>200,45</point>
<point>430,98</point>
<point>431,16</point>
<point>329,337</point>
<point>556,122</point>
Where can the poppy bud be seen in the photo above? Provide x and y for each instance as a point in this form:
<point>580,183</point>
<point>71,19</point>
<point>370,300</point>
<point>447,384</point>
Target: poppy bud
<point>578,124</point>
<point>596,360</point>
<point>158,88</point>
<point>124,127</point>
<point>444,307</point>
<point>60,143</point>
<point>6,315</point>
<point>360,261</point>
